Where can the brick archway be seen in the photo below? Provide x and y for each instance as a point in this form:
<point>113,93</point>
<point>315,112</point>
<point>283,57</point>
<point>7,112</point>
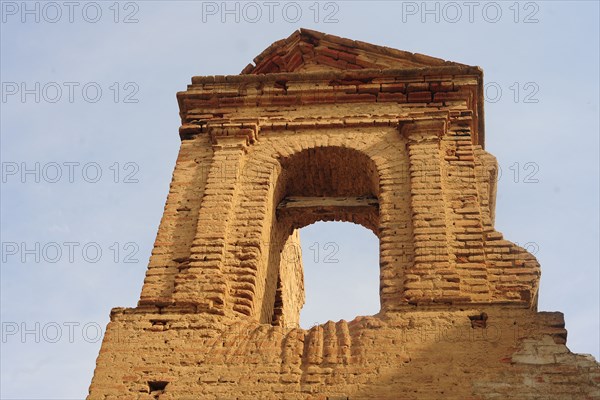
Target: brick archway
<point>333,176</point>
<point>329,183</point>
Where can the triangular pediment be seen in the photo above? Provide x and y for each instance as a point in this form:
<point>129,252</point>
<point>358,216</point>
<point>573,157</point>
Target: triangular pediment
<point>307,50</point>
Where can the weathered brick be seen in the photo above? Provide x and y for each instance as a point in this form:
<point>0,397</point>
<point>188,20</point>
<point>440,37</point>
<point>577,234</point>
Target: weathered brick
<point>264,154</point>
<point>419,97</point>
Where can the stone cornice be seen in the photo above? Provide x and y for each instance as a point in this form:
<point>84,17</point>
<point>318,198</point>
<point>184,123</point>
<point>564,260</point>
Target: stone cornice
<point>214,93</point>
<point>249,128</point>
<point>403,73</point>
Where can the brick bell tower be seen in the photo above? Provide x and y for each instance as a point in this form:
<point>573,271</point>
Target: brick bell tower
<point>323,128</point>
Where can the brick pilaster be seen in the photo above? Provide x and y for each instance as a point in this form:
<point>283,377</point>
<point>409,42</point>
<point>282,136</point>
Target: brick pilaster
<point>430,276</point>
<point>203,284</point>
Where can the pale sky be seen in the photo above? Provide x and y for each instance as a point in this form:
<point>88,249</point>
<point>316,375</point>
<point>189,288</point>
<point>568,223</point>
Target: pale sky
<point>81,98</point>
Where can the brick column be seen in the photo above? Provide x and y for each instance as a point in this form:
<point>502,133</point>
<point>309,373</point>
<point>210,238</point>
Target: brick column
<point>203,285</point>
<point>465,211</point>
<point>430,276</point>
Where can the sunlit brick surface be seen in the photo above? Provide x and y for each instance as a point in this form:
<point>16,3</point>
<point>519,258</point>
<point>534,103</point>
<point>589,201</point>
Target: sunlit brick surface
<point>320,129</point>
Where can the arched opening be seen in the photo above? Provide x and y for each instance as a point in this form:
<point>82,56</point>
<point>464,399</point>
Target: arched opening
<point>341,272</point>
<point>319,186</point>
<point>328,184</point>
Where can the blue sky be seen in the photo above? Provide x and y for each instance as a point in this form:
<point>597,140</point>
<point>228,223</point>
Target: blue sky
<point>107,106</point>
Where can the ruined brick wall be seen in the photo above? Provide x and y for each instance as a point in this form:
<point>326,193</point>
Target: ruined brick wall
<point>425,354</point>
<point>324,129</point>
<point>433,186</point>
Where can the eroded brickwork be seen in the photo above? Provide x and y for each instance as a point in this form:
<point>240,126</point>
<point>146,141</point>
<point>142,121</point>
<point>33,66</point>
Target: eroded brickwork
<point>320,129</point>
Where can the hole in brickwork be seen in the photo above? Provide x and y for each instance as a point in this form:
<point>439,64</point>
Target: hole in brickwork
<point>479,320</point>
<point>341,272</point>
<point>157,388</point>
